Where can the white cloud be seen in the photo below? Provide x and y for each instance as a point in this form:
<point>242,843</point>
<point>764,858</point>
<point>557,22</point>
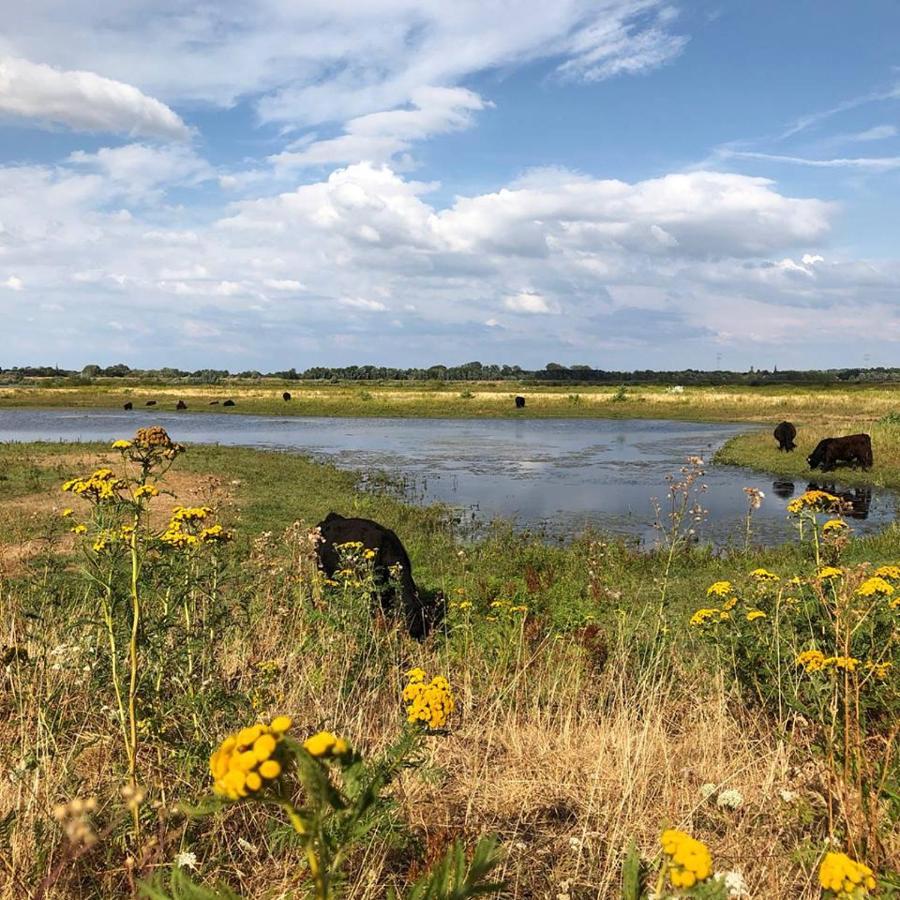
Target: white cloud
<point>362,303</point>
<point>318,62</point>
<point>377,137</point>
<point>83,101</point>
<point>283,284</point>
<point>14,283</point>
<point>528,302</point>
<point>872,164</point>
<point>876,133</point>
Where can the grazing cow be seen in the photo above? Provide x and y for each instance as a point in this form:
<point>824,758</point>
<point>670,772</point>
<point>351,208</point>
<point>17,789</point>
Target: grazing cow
<point>128,405</point>
<point>785,434</point>
<point>520,402</point>
<point>181,405</point>
<point>150,403</point>
<point>228,403</point>
<point>855,449</point>
<point>420,613</point>
<point>286,396</point>
<point>213,402</point>
<point>855,501</point>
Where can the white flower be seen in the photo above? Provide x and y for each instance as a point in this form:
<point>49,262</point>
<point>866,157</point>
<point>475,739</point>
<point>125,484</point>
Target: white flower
<point>734,884</point>
<point>186,860</point>
<point>575,843</point>
<point>707,790</point>
<point>788,796</point>
<point>730,799</point>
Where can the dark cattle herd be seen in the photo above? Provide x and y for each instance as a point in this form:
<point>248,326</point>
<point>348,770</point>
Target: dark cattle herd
<point>853,449</point>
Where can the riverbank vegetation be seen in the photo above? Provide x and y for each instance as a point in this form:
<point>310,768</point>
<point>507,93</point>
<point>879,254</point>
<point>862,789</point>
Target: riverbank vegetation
<point>612,722</point>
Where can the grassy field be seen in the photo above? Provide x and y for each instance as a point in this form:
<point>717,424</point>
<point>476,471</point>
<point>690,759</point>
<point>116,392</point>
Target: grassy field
<point>589,713</point>
<point>820,406</point>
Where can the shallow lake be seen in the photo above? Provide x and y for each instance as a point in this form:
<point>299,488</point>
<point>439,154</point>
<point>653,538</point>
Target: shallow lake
<point>558,475</point>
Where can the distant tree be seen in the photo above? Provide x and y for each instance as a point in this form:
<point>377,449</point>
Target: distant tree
<point>91,371</point>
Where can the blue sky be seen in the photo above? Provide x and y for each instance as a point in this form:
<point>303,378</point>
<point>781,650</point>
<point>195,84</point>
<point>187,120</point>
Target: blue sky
<point>624,183</point>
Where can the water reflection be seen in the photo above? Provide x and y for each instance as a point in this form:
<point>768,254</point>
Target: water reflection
<point>857,501</point>
<point>783,489</point>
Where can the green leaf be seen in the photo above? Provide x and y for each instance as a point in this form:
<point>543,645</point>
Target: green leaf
<point>454,879</point>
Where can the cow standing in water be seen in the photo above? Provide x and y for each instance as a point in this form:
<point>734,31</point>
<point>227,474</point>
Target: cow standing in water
<point>420,614</point>
<point>785,434</point>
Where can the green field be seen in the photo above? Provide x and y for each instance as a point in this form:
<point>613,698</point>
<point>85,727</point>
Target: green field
<point>590,713</point>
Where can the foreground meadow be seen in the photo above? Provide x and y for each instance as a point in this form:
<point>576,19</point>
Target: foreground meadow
<point>612,723</point>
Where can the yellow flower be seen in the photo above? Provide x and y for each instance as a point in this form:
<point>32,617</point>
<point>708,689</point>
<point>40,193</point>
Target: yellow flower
<point>688,859</point>
<point>763,575</point>
<point>880,670</point>
<point>755,614</point>
<point>875,585</point>
<point>813,500</point>
<point>121,445</point>
<point>369,554</point>
<point>80,528</point>
<point>829,572</point>
<point>466,604</point>
<point>892,572</point>
<point>834,526</point>
<point>719,589</point>
<point>326,744</point>
<point>68,511</point>
<point>811,660</point>
<point>845,877</point>
<point>245,761</point>
<point>849,663</point>
<point>429,703</point>
<point>730,603</point>
<point>518,608</point>
<point>704,616</point>
<point>146,490</point>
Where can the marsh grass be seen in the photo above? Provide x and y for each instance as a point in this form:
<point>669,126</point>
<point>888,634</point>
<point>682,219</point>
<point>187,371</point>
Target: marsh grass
<point>580,725</point>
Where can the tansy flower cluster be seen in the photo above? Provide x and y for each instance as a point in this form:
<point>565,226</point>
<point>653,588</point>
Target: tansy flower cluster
<point>186,528</point>
<point>429,702</point>
<point>98,487</point>
<point>688,859</point>
<point>706,616</point>
<point>845,878</point>
<point>875,585</point>
<point>827,572</point>
<point>763,575</point>
<point>154,439</point>
<point>719,589</point>
<point>834,526</point>
<point>891,572</point>
<point>325,744</point>
<point>817,661</point>
<point>249,759</point>
<point>813,501</point>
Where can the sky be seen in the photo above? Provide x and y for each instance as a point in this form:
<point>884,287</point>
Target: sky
<point>625,184</point>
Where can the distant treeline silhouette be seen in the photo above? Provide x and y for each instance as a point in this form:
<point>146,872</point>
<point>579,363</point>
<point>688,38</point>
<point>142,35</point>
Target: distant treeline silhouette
<point>471,371</point>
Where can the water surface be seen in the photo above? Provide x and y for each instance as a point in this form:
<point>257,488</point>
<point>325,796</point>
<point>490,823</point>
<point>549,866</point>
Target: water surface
<point>554,474</point>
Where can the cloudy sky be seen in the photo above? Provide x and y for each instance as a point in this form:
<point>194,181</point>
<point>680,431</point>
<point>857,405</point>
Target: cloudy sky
<point>621,183</point>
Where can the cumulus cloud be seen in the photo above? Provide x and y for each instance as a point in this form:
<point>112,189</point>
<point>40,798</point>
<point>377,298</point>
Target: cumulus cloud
<point>598,263</point>
<point>528,302</point>
<point>84,101</point>
<point>14,283</point>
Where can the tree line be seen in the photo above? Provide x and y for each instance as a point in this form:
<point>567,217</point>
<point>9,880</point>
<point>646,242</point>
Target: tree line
<point>552,373</point>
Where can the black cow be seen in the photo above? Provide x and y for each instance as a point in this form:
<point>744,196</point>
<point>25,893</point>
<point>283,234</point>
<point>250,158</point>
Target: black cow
<point>213,402</point>
<point>785,434</point>
<point>181,405</point>
<point>520,402</point>
<point>228,403</point>
<point>128,405</point>
<point>783,488</point>
<point>286,396</point>
<point>855,449</point>
<point>150,403</point>
<point>420,613</point>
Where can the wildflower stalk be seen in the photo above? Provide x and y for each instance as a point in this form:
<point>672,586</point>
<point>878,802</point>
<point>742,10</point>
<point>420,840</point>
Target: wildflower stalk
<point>133,675</point>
